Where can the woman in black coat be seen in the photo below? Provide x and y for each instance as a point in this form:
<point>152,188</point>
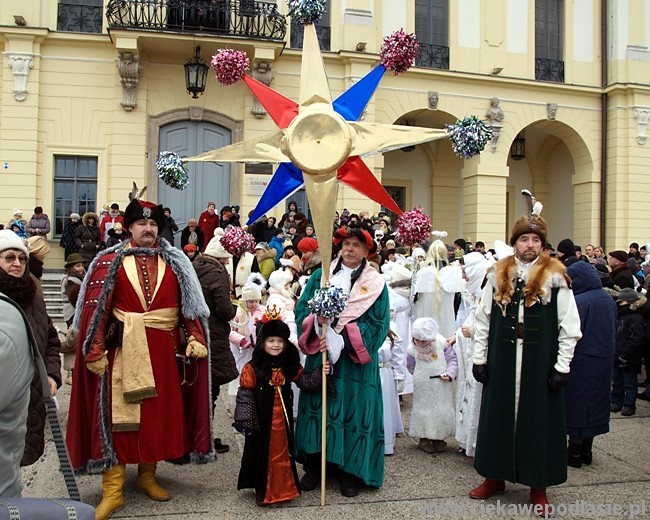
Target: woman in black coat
<point>292,207</point>
<point>587,396</point>
<point>68,240</point>
<point>88,238</point>
<point>192,234</point>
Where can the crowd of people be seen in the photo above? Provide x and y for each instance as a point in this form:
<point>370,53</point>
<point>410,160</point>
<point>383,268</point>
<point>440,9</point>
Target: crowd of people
<point>494,344</point>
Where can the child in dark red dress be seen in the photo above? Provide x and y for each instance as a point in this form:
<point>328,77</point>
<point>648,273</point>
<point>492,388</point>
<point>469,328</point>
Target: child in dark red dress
<point>264,413</point>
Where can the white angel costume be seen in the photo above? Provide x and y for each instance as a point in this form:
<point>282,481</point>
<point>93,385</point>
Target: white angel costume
<point>433,412</point>
<point>468,390</point>
<point>398,281</point>
<point>392,368</point>
<point>435,287</point>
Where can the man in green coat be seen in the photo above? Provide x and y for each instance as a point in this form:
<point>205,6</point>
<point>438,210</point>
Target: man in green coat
<point>527,325</point>
<point>355,428</point>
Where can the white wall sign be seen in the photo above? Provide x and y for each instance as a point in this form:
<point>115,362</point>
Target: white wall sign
<point>256,184</point>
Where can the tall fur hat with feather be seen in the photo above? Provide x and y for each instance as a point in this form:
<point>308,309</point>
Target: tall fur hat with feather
<point>532,222</point>
<point>138,209</point>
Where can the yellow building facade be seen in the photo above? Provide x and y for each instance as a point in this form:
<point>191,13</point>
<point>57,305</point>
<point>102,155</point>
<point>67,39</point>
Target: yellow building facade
<point>90,96</point>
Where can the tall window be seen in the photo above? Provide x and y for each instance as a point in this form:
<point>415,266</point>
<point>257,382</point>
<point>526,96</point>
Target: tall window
<point>432,30</point>
<point>323,31</point>
<point>398,194</point>
<point>80,16</point>
<point>75,187</point>
<point>549,54</point>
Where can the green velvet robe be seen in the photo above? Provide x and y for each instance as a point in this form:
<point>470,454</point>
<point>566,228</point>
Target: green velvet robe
<point>355,424</point>
<point>532,449</point>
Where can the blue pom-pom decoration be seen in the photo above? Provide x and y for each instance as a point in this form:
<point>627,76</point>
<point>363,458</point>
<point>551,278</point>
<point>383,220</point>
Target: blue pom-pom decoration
<point>172,171</point>
<point>305,12</point>
<point>328,302</point>
<point>469,136</point>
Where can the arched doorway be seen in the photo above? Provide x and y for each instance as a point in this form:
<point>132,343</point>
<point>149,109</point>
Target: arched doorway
<point>560,172</point>
<point>208,181</point>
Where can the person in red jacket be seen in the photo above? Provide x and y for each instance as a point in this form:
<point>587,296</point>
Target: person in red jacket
<point>109,220</point>
<point>208,222</point>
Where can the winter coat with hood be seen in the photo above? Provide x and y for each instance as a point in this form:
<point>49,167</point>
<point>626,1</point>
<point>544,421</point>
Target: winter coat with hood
<point>587,396</point>
<point>266,261</point>
<point>88,237</point>
<point>215,283</point>
<point>292,207</point>
<point>27,293</point>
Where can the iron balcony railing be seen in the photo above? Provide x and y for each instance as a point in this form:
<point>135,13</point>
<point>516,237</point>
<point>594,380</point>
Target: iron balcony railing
<point>549,70</point>
<point>245,18</point>
<point>433,56</point>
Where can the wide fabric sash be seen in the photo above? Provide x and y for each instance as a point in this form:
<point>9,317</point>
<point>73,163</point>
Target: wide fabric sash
<point>132,374</point>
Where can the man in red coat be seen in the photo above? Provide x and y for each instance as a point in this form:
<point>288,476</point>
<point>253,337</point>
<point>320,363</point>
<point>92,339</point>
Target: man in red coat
<point>109,220</point>
<point>139,396</point>
<point>208,222</point>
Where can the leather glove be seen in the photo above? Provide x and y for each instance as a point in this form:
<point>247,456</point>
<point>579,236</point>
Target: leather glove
<point>480,373</point>
<point>557,380</point>
<point>98,367</point>
<point>621,362</point>
<point>195,349</point>
<point>401,385</point>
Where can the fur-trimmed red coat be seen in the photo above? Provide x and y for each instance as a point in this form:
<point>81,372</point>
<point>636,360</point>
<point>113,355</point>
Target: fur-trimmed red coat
<point>177,421</point>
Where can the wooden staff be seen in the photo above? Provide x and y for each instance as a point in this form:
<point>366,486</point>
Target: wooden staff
<point>323,428</point>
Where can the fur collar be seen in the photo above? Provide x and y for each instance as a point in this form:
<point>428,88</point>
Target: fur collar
<point>271,253</point>
<point>544,275</point>
<point>192,301</point>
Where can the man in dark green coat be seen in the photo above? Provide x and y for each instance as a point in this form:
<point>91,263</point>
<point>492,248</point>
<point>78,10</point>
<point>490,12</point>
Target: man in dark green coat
<point>355,424</point>
<point>527,325</point>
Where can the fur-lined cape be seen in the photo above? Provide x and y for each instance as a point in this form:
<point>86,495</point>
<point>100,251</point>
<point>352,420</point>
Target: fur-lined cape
<point>546,274</point>
<point>193,306</point>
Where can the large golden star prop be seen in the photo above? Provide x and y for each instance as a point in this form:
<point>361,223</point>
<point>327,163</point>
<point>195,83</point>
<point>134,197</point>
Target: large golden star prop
<point>317,140</point>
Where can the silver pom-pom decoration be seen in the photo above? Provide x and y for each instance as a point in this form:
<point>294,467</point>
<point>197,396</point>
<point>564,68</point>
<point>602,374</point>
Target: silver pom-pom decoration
<point>172,171</point>
<point>328,302</point>
<point>469,136</point>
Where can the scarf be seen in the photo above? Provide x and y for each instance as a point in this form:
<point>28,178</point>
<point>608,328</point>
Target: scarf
<point>426,352</point>
<point>21,290</point>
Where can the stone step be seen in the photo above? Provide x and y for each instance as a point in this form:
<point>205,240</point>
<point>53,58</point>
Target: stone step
<point>51,284</point>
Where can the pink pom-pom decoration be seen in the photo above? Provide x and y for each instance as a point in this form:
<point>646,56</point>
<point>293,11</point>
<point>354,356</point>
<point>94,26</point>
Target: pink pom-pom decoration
<point>237,241</point>
<point>412,228</point>
<point>398,51</point>
<point>229,65</point>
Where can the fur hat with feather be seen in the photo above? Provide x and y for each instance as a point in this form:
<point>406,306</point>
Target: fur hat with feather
<point>531,222</point>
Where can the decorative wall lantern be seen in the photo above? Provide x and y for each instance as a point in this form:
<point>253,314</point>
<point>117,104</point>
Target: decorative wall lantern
<point>518,149</point>
<point>196,74</point>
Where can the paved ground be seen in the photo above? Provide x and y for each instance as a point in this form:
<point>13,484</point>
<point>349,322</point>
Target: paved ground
<point>417,485</point>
